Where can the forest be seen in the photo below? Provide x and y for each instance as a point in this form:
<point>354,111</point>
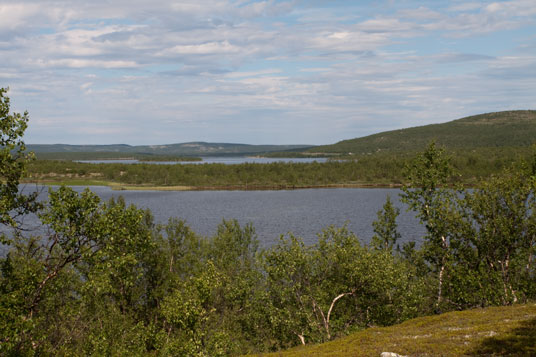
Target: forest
<point>364,170</point>
<point>101,278</point>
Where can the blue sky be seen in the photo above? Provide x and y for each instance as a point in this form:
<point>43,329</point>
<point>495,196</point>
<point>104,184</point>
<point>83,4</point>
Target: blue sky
<point>260,72</point>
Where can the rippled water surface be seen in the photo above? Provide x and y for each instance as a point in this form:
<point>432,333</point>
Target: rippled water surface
<point>272,213</point>
<point>303,212</point>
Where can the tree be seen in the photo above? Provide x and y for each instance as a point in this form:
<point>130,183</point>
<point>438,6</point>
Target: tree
<point>427,194</point>
<point>13,161</point>
<point>320,292</point>
<point>83,285</point>
<point>189,318</point>
<point>501,230</point>
<point>385,227</point>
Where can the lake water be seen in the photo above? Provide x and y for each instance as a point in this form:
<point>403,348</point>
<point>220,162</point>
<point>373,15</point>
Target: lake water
<point>303,212</point>
<point>210,160</point>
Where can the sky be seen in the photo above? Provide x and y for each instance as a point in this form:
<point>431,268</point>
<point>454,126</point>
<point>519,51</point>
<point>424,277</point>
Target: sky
<point>260,72</point>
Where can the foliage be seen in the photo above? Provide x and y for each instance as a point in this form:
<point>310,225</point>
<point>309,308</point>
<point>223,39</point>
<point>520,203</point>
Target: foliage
<point>499,224</point>
<point>13,161</point>
<point>90,264</point>
<point>479,243</point>
<point>385,228</point>
<point>435,206</point>
<point>319,292</point>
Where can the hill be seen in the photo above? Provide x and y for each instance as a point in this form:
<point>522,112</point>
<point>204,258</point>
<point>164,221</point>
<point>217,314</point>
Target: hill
<point>501,129</point>
<point>508,129</point>
<point>182,149</point>
<point>494,331</point>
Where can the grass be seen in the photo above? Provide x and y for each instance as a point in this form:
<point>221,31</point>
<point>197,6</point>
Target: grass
<point>494,331</point>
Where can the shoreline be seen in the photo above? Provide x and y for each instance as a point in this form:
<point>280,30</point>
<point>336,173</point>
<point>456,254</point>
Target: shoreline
<point>147,187</point>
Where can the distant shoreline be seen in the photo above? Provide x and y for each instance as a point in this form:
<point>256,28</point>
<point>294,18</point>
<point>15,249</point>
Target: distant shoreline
<point>126,187</point>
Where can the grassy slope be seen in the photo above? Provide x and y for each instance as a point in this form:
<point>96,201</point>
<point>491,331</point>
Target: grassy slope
<point>494,331</point>
<point>501,129</point>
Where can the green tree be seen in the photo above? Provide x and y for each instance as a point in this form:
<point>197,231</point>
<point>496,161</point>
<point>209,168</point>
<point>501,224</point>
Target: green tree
<point>83,286</point>
<point>289,276</point>
<point>321,292</point>
<point>385,228</point>
<point>501,232</point>
<point>13,162</point>
<point>190,314</point>
<point>427,193</point>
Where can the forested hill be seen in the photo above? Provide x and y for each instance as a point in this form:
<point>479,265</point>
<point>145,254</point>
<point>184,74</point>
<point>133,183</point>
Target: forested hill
<point>500,129</point>
<point>512,129</point>
<point>187,149</point>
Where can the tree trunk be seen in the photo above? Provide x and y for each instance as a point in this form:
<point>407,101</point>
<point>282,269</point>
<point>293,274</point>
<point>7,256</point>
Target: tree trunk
<point>302,339</point>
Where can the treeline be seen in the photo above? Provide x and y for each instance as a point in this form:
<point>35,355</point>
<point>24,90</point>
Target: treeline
<point>244,176</point>
<point>106,280</point>
<point>378,169</point>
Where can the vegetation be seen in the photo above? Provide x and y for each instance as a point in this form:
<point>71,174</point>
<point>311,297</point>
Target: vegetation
<point>510,130</point>
<point>368,171</point>
<point>479,146</point>
<point>13,161</point>
<point>244,176</point>
<point>101,278</point>
<point>493,331</point>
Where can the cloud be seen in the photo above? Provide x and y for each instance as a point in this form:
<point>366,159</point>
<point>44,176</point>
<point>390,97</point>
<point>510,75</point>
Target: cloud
<point>421,13</point>
<point>462,57</point>
<point>85,63</point>
<point>514,8</point>
<point>252,74</point>
<point>15,15</point>
<point>210,48</point>
<point>223,70</point>
<point>465,6</point>
<point>383,25</point>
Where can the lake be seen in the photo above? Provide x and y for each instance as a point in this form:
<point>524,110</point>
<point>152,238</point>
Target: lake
<point>303,212</point>
<point>210,160</point>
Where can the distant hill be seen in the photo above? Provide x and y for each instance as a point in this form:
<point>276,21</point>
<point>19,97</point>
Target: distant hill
<point>491,130</point>
<point>183,149</point>
<point>508,129</point>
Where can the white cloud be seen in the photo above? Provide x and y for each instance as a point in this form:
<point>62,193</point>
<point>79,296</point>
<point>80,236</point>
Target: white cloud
<point>15,15</point>
<point>421,13</point>
<point>348,41</point>
<point>207,69</point>
<point>252,74</point>
<point>386,25</point>
<point>210,48</point>
<point>521,8</point>
<point>466,6</point>
<point>83,63</point>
